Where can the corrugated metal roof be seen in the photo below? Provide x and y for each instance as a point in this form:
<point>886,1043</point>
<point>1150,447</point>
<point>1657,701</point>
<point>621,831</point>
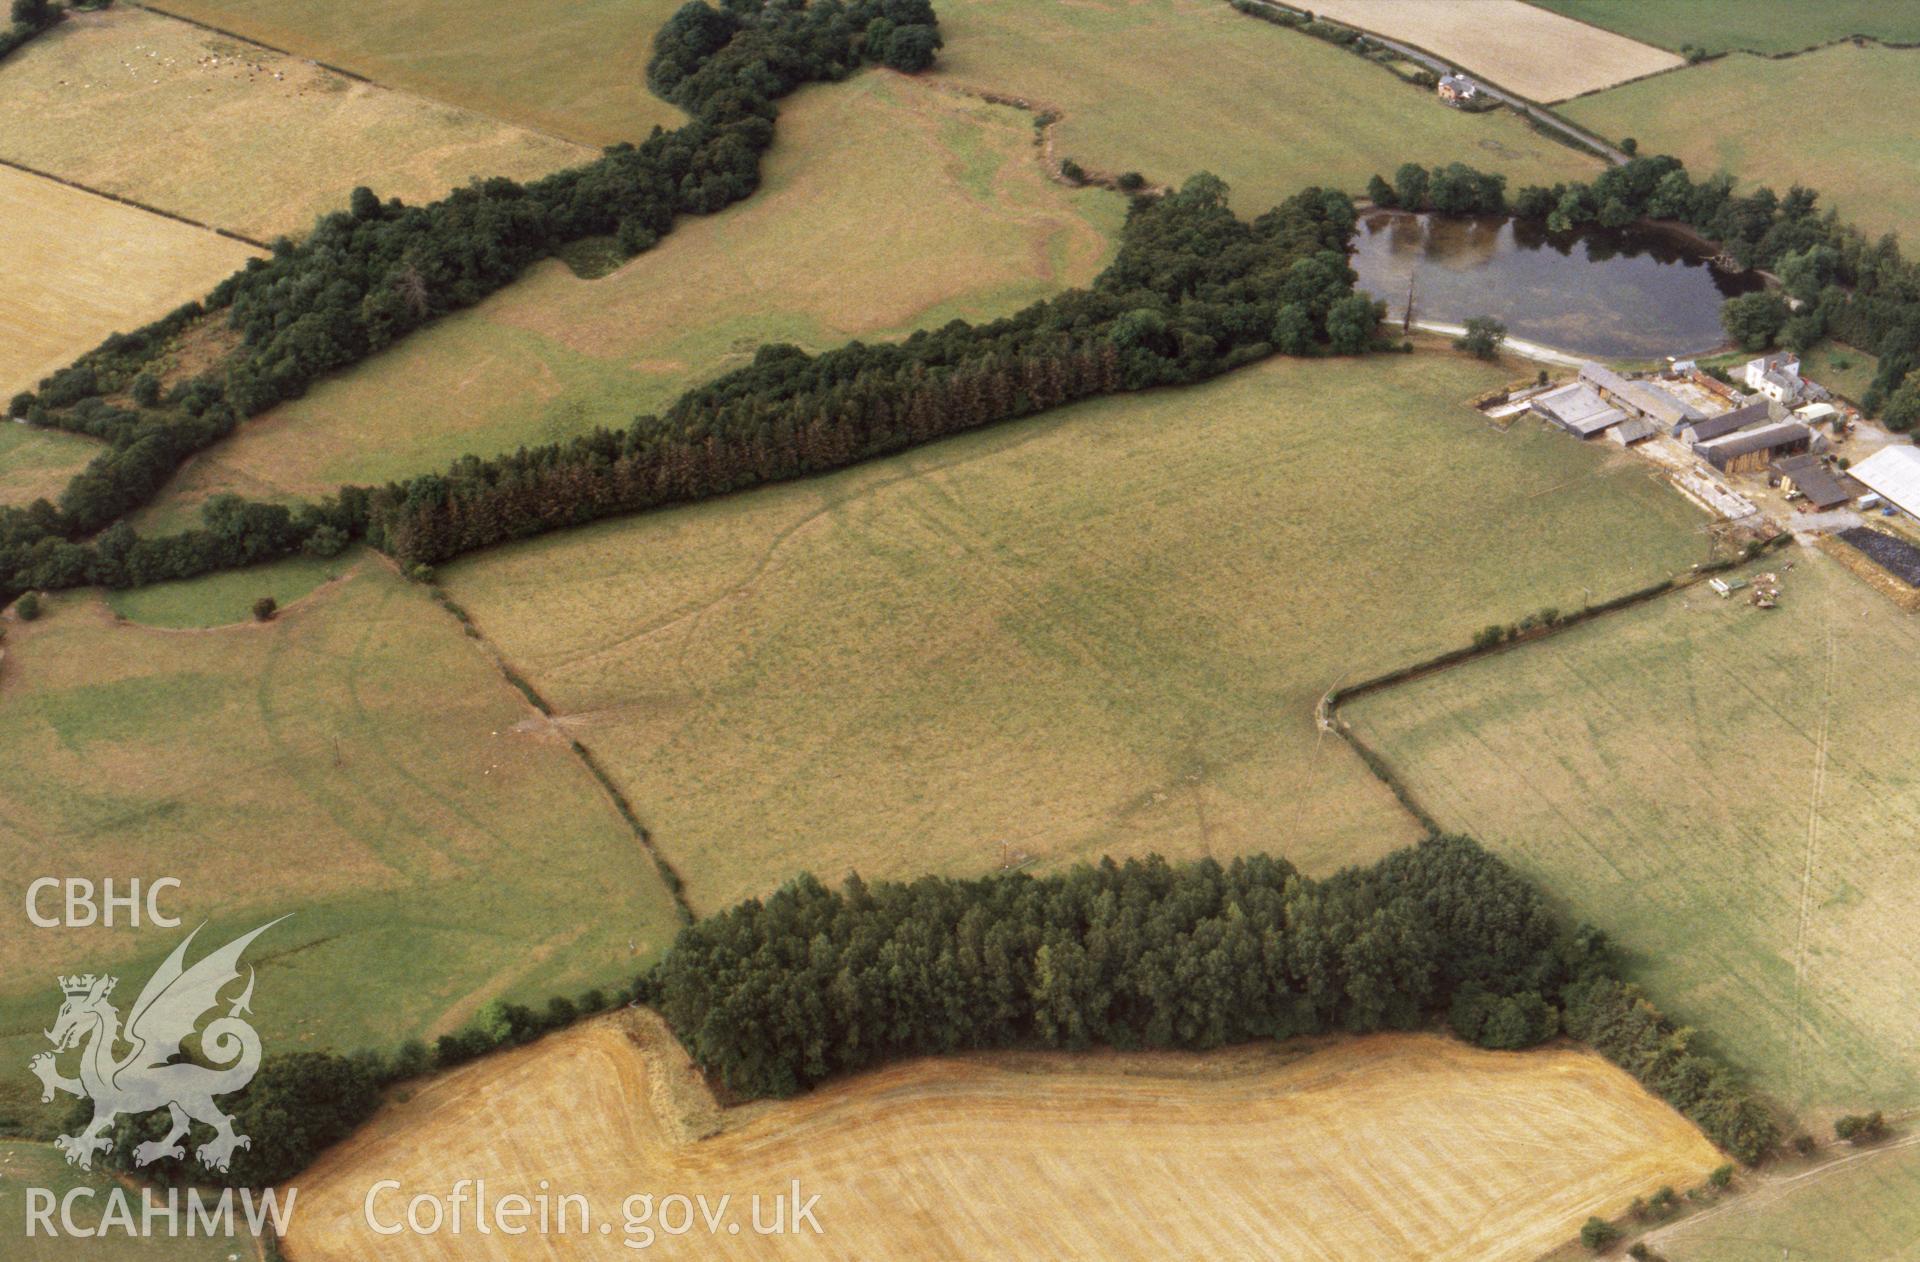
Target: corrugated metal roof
<point>1895,473</point>
<point>1632,431</point>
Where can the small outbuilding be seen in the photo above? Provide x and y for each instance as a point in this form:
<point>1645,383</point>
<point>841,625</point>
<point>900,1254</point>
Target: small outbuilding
<point>1821,487</point>
<point>1633,430</point>
<point>1754,449</point>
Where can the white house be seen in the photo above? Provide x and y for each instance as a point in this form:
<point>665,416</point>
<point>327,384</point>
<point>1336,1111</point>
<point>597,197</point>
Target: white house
<point>1456,88</point>
<point>1777,376</point>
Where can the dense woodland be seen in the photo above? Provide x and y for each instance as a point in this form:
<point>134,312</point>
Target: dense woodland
<point>775,996</point>
<point>1194,291</point>
<point>368,275</point>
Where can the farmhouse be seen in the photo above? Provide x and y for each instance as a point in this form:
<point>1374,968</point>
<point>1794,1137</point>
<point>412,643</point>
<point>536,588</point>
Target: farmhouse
<point>1777,376</point>
<point>1639,398</point>
<point>1893,473</point>
<point>1577,409</point>
<point>1709,428</point>
<point>1820,486</point>
<point>1754,449</point>
<point>1456,89</point>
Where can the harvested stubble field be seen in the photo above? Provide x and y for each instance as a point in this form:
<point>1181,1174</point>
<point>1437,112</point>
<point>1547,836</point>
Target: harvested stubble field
<point>359,763</point>
<point>887,205</point>
<point>1372,1150</point>
<point>1729,794</point>
<point>24,1165</point>
<point>1505,40</point>
<point>577,69</point>
<point>61,299</point>
<point>1170,87</point>
<point>1864,1206</point>
<point>232,135</point>
<point>1099,631</point>
<point>1761,26</point>
<point>36,463</point>
<point>1863,157</point>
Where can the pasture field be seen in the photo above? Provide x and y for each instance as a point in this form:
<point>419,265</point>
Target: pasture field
<point>1843,369</point>
<point>36,463</point>
<point>887,205</point>
<point>1098,631</point>
<point>1372,1150</point>
<point>357,762</point>
<point>1171,87</point>
<point>1760,26</point>
<point>578,69</point>
<point>1503,40</point>
<point>232,135</point>
<point>1864,1206</point>
<point>24,1165</point>
<point>1862,157</point>
<point>1726,792</point>
<point>226,597</point>
<point>60,300</point>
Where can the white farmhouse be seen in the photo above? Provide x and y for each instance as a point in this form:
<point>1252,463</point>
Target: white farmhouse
<point>1777,376</point>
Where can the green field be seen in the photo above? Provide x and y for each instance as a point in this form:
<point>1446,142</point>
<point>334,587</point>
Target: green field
<point>578,70</point>
<point>38,463</point>
<point>1730,793</point>
<point>1840,368</point>
<point>1099,631</point>
<point>1844,141</point>
<point>24,1165</point>
<point>357,762</point>
<point>887,205</point>
<point>1865,1208</point>
<point>227,596</point>
<point>1761,26</point>
<point>1170,87</point>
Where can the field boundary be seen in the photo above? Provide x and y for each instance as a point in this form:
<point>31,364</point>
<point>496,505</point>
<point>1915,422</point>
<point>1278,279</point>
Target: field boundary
<point>524,686</point>
<point>354,75</point>
<point>88,189</point>
<point>1327,715</point>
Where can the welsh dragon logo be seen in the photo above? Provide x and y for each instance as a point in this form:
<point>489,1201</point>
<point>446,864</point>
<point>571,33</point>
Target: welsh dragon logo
<point>151,1076</point>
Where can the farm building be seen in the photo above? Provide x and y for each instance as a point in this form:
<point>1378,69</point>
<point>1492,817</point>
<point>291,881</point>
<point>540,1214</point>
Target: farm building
<point>1457,88</point>
<point>1578,410</point>
<point>1754,449</point>
<point>1712,427</point>
<point>1640,398</point>
<point>1633,430</point>
<point>1820,486</point>
<point>1777,376</point>
<point>1893,473</point>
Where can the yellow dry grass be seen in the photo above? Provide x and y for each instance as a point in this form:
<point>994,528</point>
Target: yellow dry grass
<point>230,134</point>
<point>79,267</point>
<point>1541,55</point>
<point>887,204</point>
<point>1370,1150</point>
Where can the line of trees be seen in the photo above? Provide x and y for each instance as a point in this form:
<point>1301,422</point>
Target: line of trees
<point>774,996</point>
<point>367,276</point>
<point>1193,291</point>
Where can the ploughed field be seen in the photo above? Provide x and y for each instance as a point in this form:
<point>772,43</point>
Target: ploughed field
<point>1859,151</point>
<point>1103,630</point>
<point>1170,87</point>
<point>236,136</point>
<point>1522,47</point>
<point>358,762</point>
<point>887,204</point>
<point>1370,1150</point>
<point>61,299</point>
<point>576,69</point>
<point>1730,793</point>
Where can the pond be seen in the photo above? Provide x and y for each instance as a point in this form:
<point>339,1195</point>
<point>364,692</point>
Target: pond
<point>1637,293</point>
